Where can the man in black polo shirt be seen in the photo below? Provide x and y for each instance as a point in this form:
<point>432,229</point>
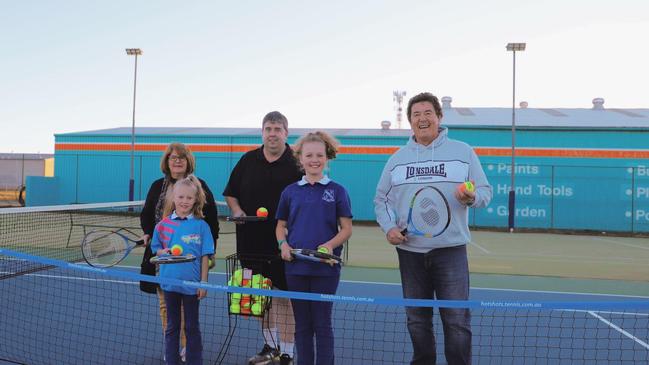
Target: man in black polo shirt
<point>257,181</point>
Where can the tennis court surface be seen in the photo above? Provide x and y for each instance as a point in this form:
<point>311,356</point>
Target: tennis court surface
<point>54,309</point>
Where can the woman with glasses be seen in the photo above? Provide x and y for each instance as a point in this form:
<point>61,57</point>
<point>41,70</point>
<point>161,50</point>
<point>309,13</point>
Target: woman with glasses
<point>177,163</point>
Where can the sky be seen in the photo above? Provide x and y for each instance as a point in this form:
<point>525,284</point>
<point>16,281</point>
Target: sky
<point>324,64</point>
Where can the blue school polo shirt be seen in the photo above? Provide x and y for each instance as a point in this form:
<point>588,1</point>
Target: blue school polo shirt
<point>194,236</point>
<point>311,213</point>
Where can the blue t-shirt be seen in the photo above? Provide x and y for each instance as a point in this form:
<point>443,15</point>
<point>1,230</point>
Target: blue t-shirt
<point>194,236</point>
<point>311,213</point>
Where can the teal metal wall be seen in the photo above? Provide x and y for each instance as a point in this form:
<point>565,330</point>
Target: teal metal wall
<point>574,192</point>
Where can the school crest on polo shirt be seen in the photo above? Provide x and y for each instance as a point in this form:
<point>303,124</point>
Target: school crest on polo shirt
<point>329,196</point>
<point>191,239</point>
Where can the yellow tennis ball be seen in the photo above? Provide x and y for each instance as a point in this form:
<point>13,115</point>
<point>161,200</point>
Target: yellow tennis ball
<point>235,308</point>
<point>323,249</point>
<point>238,277</point>
<point>176,250</point>
<point>236,296</point>
<point>469,186</point>
<point>256,309</point>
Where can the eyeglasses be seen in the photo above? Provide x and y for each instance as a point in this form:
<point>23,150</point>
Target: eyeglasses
<point>176,158</point>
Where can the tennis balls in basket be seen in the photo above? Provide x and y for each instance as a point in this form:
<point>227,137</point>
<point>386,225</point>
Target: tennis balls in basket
<point>235,308</point>
<point>262,212</point>
<point>176,250</point>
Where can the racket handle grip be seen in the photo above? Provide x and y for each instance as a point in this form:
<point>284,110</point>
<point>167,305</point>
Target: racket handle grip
<point>404,232</point>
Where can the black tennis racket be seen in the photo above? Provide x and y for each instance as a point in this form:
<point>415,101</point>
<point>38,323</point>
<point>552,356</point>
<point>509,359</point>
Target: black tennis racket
<point>172,259</point>
<point>246,218</point>
<point>103,248</point>
<point>429,214</point>
<point>316,256</point>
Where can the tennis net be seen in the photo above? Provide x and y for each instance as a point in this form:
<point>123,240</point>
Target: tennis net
<point>75,314</point>
<point>54,309</point>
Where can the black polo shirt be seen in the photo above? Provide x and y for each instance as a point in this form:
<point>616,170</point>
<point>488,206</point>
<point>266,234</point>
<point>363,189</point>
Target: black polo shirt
<point>255,182</point>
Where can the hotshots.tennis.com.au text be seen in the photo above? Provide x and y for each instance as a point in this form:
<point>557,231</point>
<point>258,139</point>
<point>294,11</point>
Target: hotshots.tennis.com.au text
<point>511,304</point>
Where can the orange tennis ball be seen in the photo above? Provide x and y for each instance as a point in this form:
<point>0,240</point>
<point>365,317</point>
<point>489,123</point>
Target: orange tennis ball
<point>176,250</point>
<point>262,212</point>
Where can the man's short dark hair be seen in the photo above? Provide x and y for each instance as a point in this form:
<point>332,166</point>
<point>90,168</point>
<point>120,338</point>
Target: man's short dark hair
<point>425,97</point>
<point>275,117</point>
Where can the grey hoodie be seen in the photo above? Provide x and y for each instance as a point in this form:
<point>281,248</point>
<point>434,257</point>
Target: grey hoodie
<point>444,164</point>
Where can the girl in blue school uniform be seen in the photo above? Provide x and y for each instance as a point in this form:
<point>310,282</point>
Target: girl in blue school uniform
<point>184,225</point>
<point>313,212</point>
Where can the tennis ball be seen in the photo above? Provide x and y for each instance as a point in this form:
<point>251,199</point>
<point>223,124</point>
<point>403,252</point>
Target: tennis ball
<point>236,296</point>
<point>467,185</point>
<point>262,212</point>
<point>323,249</point>
<point>176,250</point>
<point>256,281</point>
<point>211,263</point>
<point>235,308</point>
<point>238,277</point>
<point>256,309</point>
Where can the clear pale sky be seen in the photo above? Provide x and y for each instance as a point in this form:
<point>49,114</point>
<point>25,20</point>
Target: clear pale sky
<point>63,67</point>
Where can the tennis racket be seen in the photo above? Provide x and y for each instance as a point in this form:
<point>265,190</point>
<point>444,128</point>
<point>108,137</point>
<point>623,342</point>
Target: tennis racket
<point>315,256</point>
<point>429,214</point>
<point>171,259</point>
<point>103,248</point>
<point>246,218</point>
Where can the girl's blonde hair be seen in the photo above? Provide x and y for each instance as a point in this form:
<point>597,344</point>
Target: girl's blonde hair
<point>192,182</point>
<point>331,144</point>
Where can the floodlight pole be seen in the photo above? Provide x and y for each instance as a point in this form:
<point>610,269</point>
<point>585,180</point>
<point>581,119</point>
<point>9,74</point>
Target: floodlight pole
<point>131,183</point>
<point>513,47</point>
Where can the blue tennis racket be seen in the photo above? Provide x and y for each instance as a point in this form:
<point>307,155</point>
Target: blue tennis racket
<point>103,248</point>
<point>429,214</point>
<point>316,256</point>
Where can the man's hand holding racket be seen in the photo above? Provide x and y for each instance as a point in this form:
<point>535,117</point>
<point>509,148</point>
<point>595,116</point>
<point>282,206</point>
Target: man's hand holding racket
<point>238,214</point>
<point>395,237</point>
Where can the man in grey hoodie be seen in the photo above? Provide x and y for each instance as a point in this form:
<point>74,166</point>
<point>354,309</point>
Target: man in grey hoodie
<point>437,266</point>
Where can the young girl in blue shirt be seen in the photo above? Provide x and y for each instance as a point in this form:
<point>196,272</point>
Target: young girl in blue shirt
<point>312,213</point>
<point>183,225</point>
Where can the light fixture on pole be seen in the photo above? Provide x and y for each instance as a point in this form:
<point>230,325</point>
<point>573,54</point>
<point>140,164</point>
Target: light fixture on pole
<point>513,47</point>
<point>131,183</point>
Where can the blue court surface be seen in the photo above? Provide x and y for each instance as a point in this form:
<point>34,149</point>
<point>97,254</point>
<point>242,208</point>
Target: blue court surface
<point>58,316</point>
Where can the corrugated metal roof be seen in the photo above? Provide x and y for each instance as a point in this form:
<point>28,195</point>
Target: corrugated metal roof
<point>473,117</point>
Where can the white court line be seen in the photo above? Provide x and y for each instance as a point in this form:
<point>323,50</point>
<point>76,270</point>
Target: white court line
<point>621,243</point>
<point>627,334</point>
<point>608,312</point>
<point>480,247</point>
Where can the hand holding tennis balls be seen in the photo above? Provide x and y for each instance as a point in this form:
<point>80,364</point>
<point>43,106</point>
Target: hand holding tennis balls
<point>465,193</point>
<point>176,250</point>
<point>262,212</point>
<point>467,186</point>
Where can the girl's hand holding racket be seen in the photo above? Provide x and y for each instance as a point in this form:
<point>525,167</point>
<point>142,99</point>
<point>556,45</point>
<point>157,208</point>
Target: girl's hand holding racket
<point>286,251</point>
<point>146,238</point>
<point>163,252</point>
